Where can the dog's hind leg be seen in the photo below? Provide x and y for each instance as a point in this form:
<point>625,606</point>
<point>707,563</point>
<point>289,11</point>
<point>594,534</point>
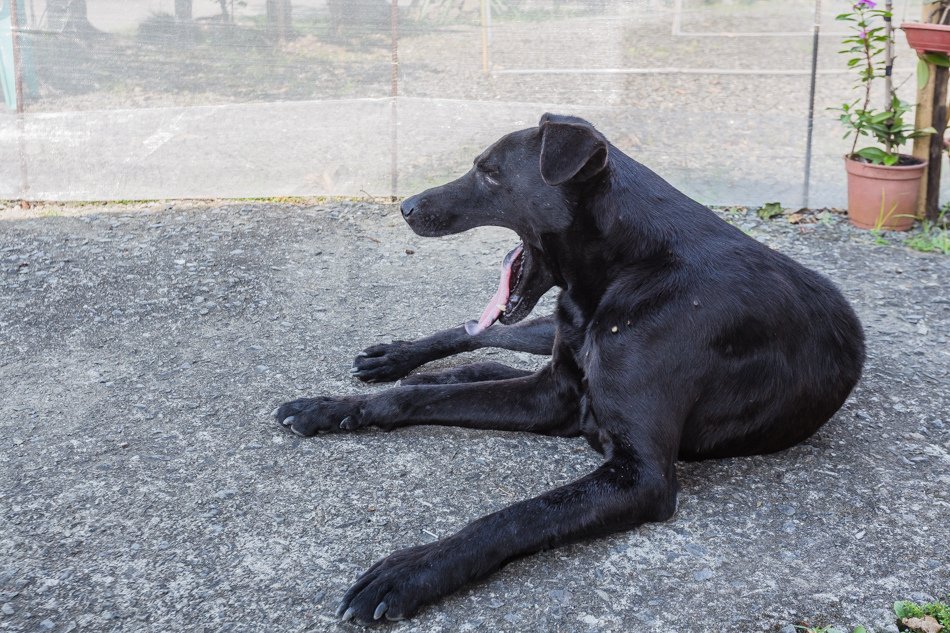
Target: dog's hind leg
<point>475,372</point>
<point>629,489</point>
<point>391,361</point>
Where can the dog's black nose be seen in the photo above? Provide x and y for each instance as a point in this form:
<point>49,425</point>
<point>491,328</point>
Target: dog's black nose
<point>407,207</point>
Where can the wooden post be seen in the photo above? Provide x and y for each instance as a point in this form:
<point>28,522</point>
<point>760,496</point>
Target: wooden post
<point>936,152</point>
<point>924,118</point>
<point>486,36</point>
<point>281,26</point>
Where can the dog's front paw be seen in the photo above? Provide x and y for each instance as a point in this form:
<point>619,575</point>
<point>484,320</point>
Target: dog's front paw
<point>386,362</point>
<point>397,586</point>
<point>309,416</point>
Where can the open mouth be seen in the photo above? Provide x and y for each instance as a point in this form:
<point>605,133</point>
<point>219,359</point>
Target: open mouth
<point>505,298</point>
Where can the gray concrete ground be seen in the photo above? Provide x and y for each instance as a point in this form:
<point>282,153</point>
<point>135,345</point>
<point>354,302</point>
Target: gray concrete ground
<point>144,487</point>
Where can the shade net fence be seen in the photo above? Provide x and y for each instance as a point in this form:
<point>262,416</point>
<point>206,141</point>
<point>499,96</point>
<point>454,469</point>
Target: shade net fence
<point>141,99</point>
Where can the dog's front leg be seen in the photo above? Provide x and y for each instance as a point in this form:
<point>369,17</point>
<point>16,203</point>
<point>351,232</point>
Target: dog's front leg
<point>391,361</point>
<point>545,402</point>
<point>625,491</point>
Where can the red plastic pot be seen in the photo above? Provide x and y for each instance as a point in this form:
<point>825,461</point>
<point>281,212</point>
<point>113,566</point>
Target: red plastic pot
<point>881,197</point>
<point>923,37</point>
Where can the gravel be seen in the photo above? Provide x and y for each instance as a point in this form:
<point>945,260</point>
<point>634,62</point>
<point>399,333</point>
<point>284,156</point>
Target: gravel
<point>144,487</point>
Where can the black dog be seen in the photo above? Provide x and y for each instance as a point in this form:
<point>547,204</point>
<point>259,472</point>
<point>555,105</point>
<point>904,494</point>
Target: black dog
<point>676,336</point>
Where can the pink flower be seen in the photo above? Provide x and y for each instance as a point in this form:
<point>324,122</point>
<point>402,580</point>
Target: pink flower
<point>870,4</point>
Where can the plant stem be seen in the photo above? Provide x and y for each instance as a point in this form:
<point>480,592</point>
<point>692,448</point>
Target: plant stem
<point>867,82</point>
<point>888,65</point>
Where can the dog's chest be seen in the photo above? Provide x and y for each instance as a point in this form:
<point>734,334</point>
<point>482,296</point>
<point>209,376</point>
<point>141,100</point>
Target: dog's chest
<point>572,329</point>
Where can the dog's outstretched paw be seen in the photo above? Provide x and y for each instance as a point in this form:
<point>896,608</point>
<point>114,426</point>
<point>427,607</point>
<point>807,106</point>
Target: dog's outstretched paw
<point>385,362</point>
<point>397,586</point>
<point>309,416</point>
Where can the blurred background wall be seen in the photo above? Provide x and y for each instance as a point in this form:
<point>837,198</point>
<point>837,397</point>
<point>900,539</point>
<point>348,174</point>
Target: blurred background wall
<point>133,99</point>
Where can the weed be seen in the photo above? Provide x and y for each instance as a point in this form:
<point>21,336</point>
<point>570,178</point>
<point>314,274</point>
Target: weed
<point>770,210</point>
<point>937,610</point>
<point>933,236</point>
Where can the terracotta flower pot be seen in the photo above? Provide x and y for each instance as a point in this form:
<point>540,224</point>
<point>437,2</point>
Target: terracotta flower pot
<point>922,37</point>
<point>881,197</point>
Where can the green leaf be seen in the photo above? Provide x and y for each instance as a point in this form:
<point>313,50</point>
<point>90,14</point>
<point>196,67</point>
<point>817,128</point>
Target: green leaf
<point>890,159</point>
<point>874,154</point>
<point>859,629</point>
<point>923,73</point>
<point>937,59</point>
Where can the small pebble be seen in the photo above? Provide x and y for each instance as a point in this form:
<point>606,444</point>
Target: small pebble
<point>558,595</point>
<point>696,550</point>
<point>704,574</point>
<point>7,608</point>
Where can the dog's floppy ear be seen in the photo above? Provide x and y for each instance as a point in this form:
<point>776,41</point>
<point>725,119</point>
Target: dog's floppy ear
<point>571,149</point>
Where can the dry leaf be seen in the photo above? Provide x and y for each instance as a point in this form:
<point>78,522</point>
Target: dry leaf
<point>795,218</point>
<point>926,624</point>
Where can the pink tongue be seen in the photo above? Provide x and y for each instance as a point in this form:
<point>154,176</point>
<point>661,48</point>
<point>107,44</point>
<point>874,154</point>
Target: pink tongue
<point>497,303</point>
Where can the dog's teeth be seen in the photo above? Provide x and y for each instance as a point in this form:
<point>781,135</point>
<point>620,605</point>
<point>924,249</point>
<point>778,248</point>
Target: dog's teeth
<point>362,355</point>
<point>501,307</point>
<point>289,420</point>
<point>348,615</point>
<point>380,610</point>
<point>274,412</point>
<point>354,370</point>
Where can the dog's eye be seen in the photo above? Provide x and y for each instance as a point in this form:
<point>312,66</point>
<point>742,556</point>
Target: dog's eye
<point>490,176</point>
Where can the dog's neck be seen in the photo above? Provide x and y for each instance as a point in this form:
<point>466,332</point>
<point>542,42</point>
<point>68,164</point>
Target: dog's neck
<point>614,229</point>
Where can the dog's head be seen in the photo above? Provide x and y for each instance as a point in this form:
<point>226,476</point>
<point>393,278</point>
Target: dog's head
<point>527,181</point>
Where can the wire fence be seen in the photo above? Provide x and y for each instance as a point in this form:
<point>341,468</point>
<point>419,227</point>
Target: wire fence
<point>141,99</point>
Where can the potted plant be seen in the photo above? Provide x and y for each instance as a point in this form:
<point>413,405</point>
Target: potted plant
<point>882,182</point>
<point>932,36</point>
